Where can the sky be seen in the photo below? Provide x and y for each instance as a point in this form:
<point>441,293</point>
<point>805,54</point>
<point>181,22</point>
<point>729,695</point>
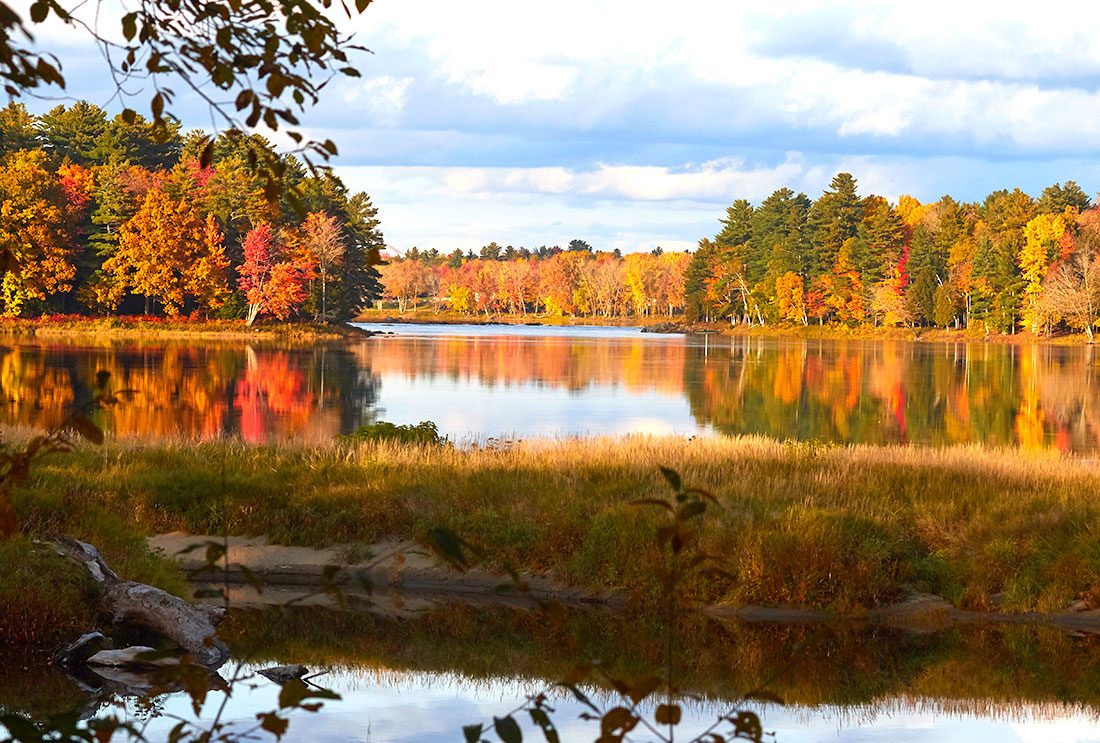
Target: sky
<point>633,124</point>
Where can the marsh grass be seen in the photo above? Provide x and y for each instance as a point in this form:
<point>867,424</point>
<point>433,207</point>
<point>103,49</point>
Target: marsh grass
<point>837,528</point>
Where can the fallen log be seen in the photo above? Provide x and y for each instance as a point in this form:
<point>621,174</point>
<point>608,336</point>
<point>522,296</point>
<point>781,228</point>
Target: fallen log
<point>190,627</point>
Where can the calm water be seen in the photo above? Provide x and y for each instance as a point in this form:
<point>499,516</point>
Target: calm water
<point>491,381</point>
<point>422,677</point>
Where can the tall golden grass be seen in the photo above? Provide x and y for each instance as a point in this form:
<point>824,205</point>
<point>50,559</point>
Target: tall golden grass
<point>836,528</point>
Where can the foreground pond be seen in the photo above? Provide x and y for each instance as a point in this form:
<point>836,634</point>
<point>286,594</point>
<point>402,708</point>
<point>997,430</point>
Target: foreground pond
<point>478,382</point>
<point>423,675</point>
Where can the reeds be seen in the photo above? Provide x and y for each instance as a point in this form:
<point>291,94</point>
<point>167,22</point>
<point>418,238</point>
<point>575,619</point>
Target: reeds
<point>836,528</point>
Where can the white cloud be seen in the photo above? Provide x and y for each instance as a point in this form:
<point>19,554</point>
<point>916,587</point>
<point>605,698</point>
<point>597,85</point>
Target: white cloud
<point>382,97</point>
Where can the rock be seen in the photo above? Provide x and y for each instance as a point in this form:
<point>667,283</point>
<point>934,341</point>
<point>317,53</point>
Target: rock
<point>1077,606</point>
<point>282,674</point>
<point>83,649</point>
<point>131,657</point>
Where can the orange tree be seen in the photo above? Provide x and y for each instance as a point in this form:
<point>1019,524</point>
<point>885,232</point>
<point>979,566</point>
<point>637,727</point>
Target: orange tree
<point>168,252</point>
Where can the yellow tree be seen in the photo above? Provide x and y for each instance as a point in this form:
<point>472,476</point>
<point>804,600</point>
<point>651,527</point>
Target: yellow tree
<point>910,210</point>
<point>36,228</point>
<point>790,297</point>
<point>1041,235</point>
<point>167,252</point>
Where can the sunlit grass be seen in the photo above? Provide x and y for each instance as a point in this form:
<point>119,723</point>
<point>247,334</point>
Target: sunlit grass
<point>841,528</point>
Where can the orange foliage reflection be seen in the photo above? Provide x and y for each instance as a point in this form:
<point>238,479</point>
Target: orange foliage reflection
<point>193,391</point>
<point>871,392</point>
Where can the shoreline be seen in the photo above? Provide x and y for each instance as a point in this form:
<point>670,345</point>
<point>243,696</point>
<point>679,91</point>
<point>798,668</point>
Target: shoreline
<point>404,573</point>
<point>676,326</point>
<point>140,328</point>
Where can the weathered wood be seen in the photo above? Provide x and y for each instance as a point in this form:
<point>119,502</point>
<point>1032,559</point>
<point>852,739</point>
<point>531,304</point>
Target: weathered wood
<point>190,627</point>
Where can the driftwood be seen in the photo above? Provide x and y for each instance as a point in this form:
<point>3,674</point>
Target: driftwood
<point>190,627</point>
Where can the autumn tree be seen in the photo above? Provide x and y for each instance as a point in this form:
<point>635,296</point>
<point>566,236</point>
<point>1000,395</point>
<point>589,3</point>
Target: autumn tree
<point>169,252</point>
<point>791,299</point>
<point>38,224</point>
<point>1072,291</point>
<point>324,241</point>
<point>1042,235</point>
<point>18,130</point>
<point>405,280</point>
<point>273,277</point>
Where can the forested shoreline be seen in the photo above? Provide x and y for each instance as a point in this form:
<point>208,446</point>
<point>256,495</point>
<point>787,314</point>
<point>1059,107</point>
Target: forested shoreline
<point>108,216</point>
<point>105,216</point>
<point>1009,263</point>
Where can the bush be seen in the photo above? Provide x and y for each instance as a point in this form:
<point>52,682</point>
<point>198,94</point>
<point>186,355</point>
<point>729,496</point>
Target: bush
<point>424,432</point>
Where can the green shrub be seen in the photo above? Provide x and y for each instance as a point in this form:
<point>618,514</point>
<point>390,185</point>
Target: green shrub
<point>424,432</point>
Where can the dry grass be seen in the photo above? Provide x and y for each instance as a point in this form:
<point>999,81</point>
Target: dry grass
<point>801,525</point>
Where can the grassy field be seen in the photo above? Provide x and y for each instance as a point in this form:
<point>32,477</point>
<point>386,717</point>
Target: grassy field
<point>840,529</point>
<point>63,326</point>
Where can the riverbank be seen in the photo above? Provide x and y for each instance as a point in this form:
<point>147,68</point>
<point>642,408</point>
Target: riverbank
<point>151,327</point>
<point>840,530</point>
<point>660,324</point>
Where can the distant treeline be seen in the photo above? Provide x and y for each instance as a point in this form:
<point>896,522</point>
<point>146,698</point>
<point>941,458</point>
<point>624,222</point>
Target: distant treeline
<point>1009,262</point>
<point>102,215</point>
<point>576,281</point>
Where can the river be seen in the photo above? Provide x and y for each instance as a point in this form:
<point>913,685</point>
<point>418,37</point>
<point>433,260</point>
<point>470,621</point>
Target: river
<point>490,382</point>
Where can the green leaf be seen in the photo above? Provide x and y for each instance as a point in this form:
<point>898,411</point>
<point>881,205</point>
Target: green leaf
<point>668,714</point>
<point>39,11</point>
<point>652,502</point>
<point>691,509</point>
<point>447,545</point>
<point>580,697</point>
<point>207,155</point>
<point>273,724</point>
<point>673,478</point>
<point>90,431</point>
<point>129,26</point>
<point>508,729</point>
<point>643,687</point>
<point>472,733</point>
<point>296,691</point>
<point>361,5</point>
<point>250,578</point>
<point>540,718</point>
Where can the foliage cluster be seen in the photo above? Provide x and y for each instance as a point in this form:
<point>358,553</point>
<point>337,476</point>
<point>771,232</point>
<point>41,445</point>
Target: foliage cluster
<point>425,432</point>
<point>101,214</point>
<point>576,282</point>
<point>1010,262</point>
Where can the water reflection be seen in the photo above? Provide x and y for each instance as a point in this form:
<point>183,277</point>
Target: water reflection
<point>421,677</point>
<point>195,390</point>
<point>489,381</point>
